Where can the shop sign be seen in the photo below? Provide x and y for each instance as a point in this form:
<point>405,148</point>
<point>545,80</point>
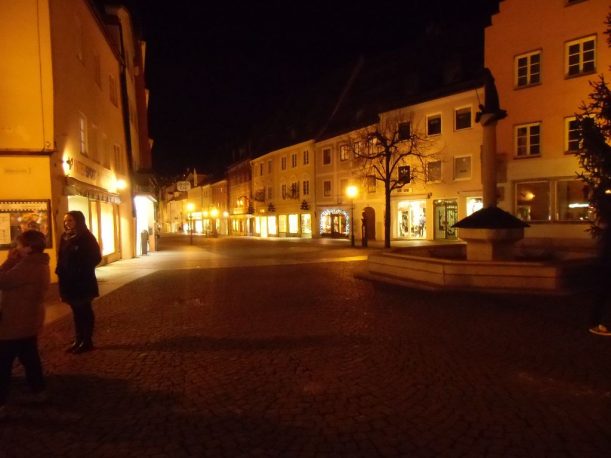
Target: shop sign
<point>183,186</point>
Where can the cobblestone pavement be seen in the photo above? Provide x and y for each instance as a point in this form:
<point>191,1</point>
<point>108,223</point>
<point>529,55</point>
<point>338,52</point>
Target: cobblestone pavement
<point>304,360</point>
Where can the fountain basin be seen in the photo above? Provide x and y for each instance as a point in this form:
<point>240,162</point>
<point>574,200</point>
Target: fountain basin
<point>428,268</point>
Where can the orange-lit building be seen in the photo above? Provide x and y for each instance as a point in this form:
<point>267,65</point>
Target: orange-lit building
<point>62,132</point>
<point>240,198</point>
<point>543,56</point>
<point>283,191</point>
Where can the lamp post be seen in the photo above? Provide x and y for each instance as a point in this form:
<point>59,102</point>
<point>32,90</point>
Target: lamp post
<point>352,191</point>
<point>214,213</point>
<point>190,208</point>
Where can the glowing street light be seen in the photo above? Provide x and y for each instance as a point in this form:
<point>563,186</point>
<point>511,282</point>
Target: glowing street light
<point>352,191</point>
<point>214,213</point>
<point>190,208</point>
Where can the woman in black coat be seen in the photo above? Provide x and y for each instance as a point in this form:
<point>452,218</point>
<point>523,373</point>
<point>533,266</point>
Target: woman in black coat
<point>79,253</point>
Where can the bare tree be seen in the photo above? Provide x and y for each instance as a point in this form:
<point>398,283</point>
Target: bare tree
<point>392,152</point>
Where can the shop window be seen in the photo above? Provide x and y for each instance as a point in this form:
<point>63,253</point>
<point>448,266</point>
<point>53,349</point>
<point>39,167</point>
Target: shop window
<point>528,140</point>
<point>533,201</point>
<point>474,204</point>
<point>293,224</point>
<point>462,118</point>
<point>433,124</point>
<point>581,56</point>
<point>572,201</point>
<point>528,69</point>
<point>306,223</point>
<point>282,224</point>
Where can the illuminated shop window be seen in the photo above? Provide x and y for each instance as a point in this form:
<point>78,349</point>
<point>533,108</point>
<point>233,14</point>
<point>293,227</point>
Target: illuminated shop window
<point>533,201</point>
<point>293,223</point>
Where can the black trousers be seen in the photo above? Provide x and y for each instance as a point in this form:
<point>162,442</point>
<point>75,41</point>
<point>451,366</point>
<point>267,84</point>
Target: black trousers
<point>26,350</point>
<point>84,321</point>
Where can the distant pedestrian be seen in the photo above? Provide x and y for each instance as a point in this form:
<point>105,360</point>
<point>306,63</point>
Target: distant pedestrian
<point>79,254</point>
<point>24,279</point>
<point>600,318</point>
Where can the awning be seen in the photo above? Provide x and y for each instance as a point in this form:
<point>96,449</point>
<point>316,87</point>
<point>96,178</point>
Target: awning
<point>75,187</point>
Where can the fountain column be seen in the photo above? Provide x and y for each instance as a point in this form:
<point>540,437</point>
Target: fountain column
<point>490,233</point>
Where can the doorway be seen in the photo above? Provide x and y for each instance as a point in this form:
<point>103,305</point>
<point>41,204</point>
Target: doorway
<point>446,215</point>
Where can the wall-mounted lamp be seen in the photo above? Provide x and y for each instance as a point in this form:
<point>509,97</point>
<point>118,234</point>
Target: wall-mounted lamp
<point>67,164</point>
<point>121,184</point>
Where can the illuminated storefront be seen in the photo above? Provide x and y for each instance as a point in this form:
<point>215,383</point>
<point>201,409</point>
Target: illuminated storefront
<point>445,213</point>
<point>411,219</point>
<point>334,222</point>
<point>474,204</point>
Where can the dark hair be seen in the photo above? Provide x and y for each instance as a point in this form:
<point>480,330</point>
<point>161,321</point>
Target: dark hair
<point>34,239</point>
<point>79,219</point>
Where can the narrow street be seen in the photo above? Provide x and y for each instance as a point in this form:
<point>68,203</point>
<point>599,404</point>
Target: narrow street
<point>240,347</point>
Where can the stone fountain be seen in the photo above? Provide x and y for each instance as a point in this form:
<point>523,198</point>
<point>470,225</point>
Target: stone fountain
<point>486,260</point>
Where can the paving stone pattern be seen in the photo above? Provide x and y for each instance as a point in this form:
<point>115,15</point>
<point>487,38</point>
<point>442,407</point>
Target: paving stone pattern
<point>307,361</point>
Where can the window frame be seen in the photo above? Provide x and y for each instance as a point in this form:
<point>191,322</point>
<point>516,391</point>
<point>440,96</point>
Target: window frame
<point>456,110</point>
<point>344,152</point>
<point>330,156</point>
<point>580,42</point>
<point>567,135</point>
<point>283,163</point>
<point>404,127</point>
<point>293,160</point>
<point>529,73</point>
<point>428,118</point>
<point>462,156</point>
<point>327,192</point>
<point>306,157</point>
<point>529,145</point>
<point>83,135</point>
<point>428,175</point>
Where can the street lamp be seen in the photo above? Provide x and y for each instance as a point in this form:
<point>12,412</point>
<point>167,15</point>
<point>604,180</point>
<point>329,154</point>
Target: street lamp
<point>214,213</point>
<point>352,191</point>
<point>190,208</point>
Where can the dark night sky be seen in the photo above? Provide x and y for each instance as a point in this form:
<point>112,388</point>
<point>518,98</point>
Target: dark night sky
<point>216,71</point>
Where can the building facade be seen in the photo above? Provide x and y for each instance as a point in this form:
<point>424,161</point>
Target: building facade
<point>62,142</point>
<point>542,75</point>
<point>283,192</point>
<point>240,205</point>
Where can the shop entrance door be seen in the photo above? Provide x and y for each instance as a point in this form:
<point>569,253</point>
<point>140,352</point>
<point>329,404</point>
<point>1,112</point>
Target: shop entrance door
<point>446,215</point>
<point>338,225</point>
